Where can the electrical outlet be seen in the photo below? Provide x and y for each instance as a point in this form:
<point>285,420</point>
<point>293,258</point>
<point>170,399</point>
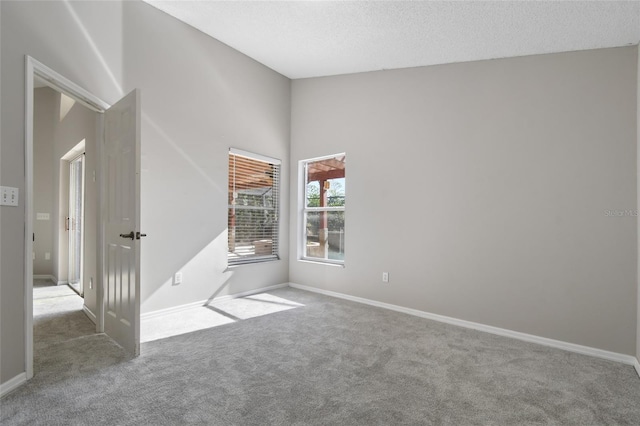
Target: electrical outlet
<point>177,278</point>
<point>47,256</point>
<point>385,277</point>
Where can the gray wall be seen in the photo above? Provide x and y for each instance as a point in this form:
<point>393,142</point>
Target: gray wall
<point>43,178</point>
<point>199,97</point>
<point>482,188</point>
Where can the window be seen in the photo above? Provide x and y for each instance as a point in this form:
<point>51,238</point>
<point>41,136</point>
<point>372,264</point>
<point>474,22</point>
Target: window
<point>324,208</point>
<point>254,197</point>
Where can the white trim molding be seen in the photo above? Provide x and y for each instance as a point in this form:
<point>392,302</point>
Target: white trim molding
<point>636,365</point>
<point>31,66</point>
<point>254,156</point>
<point>172,310</point>
<point>187,306</point>
<point>12,384</point>
<point>558,344</point>
<point>89,314</point>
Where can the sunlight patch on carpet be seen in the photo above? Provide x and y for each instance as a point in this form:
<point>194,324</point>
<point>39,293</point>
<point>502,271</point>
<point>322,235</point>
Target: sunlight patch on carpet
<point>215,314</point>
<point>254,306</point>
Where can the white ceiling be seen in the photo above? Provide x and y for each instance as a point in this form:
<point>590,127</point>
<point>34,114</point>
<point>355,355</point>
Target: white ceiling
<point>317,38</point>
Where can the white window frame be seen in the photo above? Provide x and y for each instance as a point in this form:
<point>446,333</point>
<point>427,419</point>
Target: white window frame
<point>303,210</point>
<point>276,255</point>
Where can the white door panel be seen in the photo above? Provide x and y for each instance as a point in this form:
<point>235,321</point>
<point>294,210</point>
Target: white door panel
<point>122,222</point>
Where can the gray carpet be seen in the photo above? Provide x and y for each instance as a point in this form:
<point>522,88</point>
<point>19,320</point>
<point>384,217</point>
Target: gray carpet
<point>329,362</point>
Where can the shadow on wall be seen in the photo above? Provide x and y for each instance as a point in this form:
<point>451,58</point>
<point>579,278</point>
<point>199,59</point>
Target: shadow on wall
<point>94,48</point>
<point>100,74</point>
<point>200,278</point>
<point>180,209</point>
<point>214,92</point>
<point>199,98</point>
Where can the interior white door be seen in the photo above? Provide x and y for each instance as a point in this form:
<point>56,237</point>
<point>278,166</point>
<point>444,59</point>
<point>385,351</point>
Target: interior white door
<point>122,222</point>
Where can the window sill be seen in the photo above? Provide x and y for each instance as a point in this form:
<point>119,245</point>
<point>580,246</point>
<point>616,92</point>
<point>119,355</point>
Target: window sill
<point>255,261</point>
<point>319,262</point>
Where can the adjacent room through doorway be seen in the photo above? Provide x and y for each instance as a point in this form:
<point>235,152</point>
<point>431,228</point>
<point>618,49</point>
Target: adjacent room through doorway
<point>65,219</point>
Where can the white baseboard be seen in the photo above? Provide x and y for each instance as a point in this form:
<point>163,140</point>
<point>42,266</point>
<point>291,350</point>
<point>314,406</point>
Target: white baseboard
<point>636,365</point>
<point>172,310</point>
<point>45,277</point>
<point>89,314</point>
<point>62,282</point>
<point>572,347</point>
<point>180,308</point>
<point>12,384</point>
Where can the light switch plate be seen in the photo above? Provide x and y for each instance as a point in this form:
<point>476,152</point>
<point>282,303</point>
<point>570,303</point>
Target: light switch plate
<point>42,216</point>
<point>8,196</point>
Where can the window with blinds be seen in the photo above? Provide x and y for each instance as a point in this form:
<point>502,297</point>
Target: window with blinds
<point>254,197</point>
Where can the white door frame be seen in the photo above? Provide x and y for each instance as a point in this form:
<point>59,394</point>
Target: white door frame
<point>56,81</point>
<point>72,183</point>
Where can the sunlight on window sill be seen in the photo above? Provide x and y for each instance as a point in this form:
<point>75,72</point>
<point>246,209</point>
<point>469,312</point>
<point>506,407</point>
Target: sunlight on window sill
<point>321,262</point>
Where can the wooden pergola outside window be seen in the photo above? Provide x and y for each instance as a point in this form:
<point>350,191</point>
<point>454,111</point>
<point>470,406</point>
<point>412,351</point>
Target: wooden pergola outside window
<point>324,208</point>
<point>253,200</point>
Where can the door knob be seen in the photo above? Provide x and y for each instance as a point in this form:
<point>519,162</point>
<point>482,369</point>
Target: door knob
<point>129,235</point>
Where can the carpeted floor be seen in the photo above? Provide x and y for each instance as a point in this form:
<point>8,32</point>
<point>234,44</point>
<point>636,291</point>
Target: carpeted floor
<point>329,362</point>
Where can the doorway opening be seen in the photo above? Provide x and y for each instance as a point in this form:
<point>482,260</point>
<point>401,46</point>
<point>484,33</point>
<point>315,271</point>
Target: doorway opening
<point>65,225</point>
<point>85,216</point>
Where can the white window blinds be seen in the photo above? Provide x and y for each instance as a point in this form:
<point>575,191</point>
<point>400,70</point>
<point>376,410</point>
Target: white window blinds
<point>253,219</point>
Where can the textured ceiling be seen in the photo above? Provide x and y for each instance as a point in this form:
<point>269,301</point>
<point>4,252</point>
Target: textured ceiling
<point>316,38</point>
